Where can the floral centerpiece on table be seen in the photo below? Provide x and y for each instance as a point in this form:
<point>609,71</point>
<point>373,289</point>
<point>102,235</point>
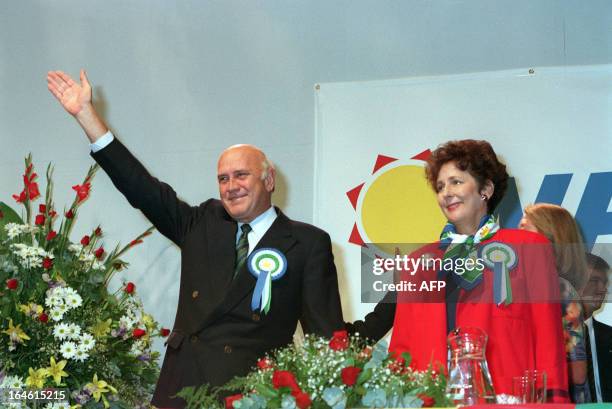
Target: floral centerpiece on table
<point>341,372</point>
<point>60,327</point>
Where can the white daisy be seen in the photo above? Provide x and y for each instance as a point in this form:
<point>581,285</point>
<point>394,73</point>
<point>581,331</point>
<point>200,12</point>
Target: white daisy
<point>136,349</point>
<point>75,248</point>
<point>74,300</point>
<point>61,331</point>
<point>86,342</point>
<point>74,331</point>
<point>63,308</point>
<point>56,315</point>
<point>126,322</point>
<point>12,382</point>
<point>52,301</point>
<point>87,257</point>
<point>68,349</point>
<point>80,355</point>
<point>68,291</point>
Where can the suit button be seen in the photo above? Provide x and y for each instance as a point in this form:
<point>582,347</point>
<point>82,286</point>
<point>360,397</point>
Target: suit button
<point>195,294</point>
<point>255,317</point>
<point>227,349</point>
<point>194,339</point>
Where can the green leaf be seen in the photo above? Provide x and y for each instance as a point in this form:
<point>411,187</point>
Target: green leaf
<point>266,391</point>
<point>9,216</point>
<point>407,358</point>
<point>364,376</point>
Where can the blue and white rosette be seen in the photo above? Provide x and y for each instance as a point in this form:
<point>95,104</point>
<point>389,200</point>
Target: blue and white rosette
<point>266,265</point>
<point>501,258</point>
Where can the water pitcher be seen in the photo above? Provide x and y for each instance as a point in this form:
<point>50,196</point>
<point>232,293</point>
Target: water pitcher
<point>469,380</point>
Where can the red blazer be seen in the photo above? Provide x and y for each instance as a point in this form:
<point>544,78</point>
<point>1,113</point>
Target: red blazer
<point>522,335</point>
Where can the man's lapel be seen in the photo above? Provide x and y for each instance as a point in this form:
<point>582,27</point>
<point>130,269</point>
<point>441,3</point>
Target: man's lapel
<point>222,251</point>
<point>278,237</point>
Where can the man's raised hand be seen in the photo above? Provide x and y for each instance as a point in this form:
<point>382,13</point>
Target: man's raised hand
<point>76,99</point>
<point>73,97</point>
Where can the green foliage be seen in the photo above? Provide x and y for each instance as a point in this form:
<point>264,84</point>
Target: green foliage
<point>200,397</point>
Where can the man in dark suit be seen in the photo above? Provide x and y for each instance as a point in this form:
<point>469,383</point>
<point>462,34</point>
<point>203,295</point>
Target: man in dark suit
<point>218,333</point>
<point>599,335</point>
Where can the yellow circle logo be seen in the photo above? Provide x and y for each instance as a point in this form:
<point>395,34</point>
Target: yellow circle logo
<point>396,207</point>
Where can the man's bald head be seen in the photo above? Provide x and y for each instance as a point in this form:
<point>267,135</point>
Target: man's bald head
<point>246,181</point>
<point>266,164</point>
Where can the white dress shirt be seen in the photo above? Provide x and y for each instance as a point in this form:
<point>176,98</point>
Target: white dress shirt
<point>259,226</point>
<point>589,325</point>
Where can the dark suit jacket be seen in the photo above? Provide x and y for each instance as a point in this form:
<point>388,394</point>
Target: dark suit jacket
<point>216,335</point>
<point>603,342</point>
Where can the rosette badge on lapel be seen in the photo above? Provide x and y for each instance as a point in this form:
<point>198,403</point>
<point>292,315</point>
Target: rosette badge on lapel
<point>501,258</point>
<point>266,265</point>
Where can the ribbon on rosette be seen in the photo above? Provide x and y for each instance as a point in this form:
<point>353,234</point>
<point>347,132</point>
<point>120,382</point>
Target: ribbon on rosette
<point>501,258</point>
<point>266,265</point>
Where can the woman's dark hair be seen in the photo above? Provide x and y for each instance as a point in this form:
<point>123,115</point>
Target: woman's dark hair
<point>476,157</point>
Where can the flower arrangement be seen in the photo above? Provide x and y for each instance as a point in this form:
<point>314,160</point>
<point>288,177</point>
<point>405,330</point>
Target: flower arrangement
<point>60,327</point>
<point>341,372</point>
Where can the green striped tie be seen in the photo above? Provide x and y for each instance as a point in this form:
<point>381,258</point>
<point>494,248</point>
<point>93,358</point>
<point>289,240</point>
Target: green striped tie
<point>242,248</point>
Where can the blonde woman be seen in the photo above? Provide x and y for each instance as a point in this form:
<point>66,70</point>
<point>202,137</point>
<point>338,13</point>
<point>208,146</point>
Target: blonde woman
<point>558,225</point>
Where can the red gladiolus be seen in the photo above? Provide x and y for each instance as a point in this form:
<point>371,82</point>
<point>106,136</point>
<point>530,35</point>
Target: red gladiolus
<point>340,341</point>
<point>98,231</point>
<point>129,288</point>
<point>428,401</point>
<point>349,375</point>
<point>47,263</point>
<point>85,240</point>
<point>12,283</point>
<point>99,253</point>
<point>51,235</point>
<point>264,363</point>
<point>138,333</point>
<point>229,401</point>
<point>69,214</point>
<point>43,318</point>
<point>30,185</point>
<point>52,214</point>
<point>40,220</point>
<point>42,208</point>
<point>164,332</point>
<point>82,191</point>
<point>302,400</point>
<point>284,379</point>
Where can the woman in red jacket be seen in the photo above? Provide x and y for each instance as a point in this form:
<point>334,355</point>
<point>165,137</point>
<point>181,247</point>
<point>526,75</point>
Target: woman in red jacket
<point>513,299</point>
